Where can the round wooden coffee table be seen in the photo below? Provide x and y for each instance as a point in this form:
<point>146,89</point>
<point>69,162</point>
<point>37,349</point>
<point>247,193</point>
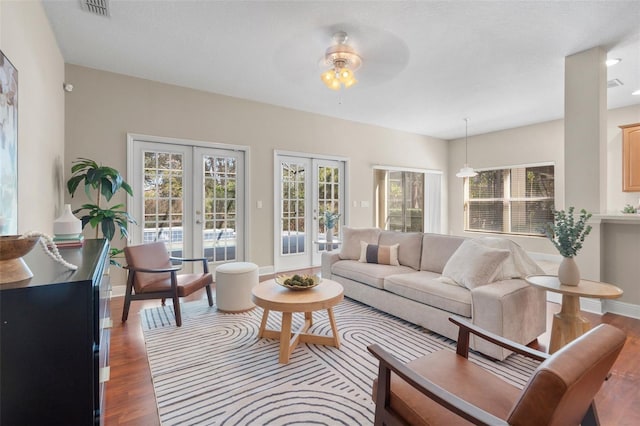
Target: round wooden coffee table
<point>273,297</point>
<point>569,324</point>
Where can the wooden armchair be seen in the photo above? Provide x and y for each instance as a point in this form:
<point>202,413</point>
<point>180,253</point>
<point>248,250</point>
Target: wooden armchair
<point>445,388</point>
<point>153,276</point>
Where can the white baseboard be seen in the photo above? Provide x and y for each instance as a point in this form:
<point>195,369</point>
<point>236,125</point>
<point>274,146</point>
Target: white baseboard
<point>622,308</point>
<point>266,270</point>
<point>596,306</point>
<point>118,290</point>
<point>601,306</point>
<point>545,256</point>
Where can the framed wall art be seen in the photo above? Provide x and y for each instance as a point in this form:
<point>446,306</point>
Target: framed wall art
<point>8,147</point>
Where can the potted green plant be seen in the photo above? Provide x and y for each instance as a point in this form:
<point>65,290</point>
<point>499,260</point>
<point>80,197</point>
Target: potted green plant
<point>101,182</point>
<point>567,234</point>
<point>330,219</point>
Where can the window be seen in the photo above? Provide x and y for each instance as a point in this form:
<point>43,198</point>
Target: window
<point>400,200</point>
<point>517,200</point>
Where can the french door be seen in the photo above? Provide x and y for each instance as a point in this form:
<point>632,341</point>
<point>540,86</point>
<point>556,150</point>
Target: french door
<point>190,197</point>
<point>306,187</point>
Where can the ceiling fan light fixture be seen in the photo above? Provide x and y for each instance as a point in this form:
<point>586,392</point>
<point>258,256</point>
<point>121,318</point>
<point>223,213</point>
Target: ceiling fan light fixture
<point>343,61</point>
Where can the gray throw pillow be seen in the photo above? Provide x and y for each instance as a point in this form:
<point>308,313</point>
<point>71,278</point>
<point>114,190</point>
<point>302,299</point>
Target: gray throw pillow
<point>383,255</point>
<point>351,237</point>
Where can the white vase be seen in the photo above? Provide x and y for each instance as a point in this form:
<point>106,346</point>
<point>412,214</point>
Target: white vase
<point>329,238</point>
<point>67,225</point>
<point>568,272</point>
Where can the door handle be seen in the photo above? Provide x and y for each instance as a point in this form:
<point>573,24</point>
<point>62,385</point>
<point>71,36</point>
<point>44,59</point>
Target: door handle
<point>198,221</point>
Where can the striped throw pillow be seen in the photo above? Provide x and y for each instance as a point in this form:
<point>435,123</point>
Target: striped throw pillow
<point>384,255</point>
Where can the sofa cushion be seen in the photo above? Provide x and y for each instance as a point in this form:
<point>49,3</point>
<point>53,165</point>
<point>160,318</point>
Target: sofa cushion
<point>351,238</point>
<point>372,274</point>
<point>374,253</point>
<point>409,249</point>
<point>474,264</point>
<point>436,251</point>
<point>423,287</point>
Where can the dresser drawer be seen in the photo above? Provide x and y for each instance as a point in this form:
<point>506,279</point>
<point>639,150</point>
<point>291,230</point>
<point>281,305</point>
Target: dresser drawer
<point>103,311</point>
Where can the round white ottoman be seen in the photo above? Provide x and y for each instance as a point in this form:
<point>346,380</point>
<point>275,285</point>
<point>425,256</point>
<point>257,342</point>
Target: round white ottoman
<point>234,282</point>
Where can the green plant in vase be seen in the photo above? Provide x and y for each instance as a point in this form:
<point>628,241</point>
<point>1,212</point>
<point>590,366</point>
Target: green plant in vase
<point>330,220</point>
<point>568,234</point>
<point>101,183</point>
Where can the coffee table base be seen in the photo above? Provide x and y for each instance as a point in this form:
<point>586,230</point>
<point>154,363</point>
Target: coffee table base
<point>289,341</point>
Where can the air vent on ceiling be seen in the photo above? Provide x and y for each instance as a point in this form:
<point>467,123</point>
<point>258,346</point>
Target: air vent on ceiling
<point>98,7</point>
<point>614,83</point>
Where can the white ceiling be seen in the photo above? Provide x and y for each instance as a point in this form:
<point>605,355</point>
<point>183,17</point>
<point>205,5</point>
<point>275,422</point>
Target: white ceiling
<point>426,64</point>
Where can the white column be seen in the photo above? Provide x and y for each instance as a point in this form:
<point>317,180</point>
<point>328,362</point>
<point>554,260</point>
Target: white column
<point>585,108</point>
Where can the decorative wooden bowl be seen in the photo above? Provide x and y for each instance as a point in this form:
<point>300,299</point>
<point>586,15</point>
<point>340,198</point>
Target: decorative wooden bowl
<point>12,248</point>
<point>304,282</point>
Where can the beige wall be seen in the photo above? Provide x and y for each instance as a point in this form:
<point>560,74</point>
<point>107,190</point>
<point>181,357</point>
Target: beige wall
<point>538,143</point>
<point>28,41</point>
<point>615,197</point>
<point>543,142</point>
<point>104,107</point>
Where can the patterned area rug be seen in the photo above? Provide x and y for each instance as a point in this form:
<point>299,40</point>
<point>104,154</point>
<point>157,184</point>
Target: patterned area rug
<point>215,371</point>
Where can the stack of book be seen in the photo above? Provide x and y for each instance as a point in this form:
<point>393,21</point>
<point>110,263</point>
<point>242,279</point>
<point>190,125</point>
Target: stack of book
<point>66,241</point>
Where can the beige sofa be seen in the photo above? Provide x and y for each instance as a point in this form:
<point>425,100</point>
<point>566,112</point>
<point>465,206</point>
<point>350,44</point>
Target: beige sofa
<point>440,275</point>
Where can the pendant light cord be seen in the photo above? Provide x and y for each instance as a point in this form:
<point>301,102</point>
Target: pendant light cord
<point>466,142</point>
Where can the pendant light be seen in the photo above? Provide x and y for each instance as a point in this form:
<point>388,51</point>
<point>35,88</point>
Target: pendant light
<point>466,171</point>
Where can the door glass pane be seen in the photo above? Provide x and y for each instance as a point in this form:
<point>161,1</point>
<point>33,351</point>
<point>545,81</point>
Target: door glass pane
<point>400,203</point>
<point>293,213</point>
<point>328,199</point>
<point>414,202</point>
<point>162,210</point>
<point>220,225</point>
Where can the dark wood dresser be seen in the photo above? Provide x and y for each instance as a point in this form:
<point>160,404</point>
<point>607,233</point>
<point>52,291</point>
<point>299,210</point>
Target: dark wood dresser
<point>54,339</point>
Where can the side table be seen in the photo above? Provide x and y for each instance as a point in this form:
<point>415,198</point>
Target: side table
<point>327,246</point>
<point>569,323</point>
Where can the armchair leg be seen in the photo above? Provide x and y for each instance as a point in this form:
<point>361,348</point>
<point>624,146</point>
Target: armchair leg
<point>209,296</point>
<point>127,300</point>
<point>176,308</point>
<point>591,416</point>
<point>382,395</point>
<point>125,308</point>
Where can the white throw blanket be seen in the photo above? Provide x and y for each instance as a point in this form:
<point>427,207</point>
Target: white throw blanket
<point>517,265</point>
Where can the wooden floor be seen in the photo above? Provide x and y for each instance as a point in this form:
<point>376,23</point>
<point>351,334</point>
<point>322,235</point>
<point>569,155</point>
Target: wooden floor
<point>130,398</point>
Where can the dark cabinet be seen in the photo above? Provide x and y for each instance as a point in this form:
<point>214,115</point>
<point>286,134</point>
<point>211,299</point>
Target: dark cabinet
<point>54,340</point>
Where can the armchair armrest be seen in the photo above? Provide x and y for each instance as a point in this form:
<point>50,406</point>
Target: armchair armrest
<point>152,271</point>
<point>182,259</point>
<point>439,395</point>
<point>466,328</point>
<point>205,265</point>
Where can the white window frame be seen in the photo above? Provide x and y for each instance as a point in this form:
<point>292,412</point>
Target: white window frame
<point>133,202</point>
<point>431,222</point>
<point>507,199</point>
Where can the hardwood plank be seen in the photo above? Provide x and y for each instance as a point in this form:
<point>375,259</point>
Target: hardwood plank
<point>130,399</point>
